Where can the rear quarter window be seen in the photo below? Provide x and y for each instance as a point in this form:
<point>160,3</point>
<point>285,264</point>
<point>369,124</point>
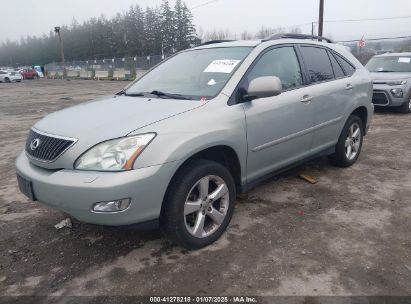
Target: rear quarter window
<point>318,64</point>
<point>348,68</point>
<point>338,71</point>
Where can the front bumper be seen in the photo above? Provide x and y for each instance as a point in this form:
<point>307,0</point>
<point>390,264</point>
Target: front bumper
<point>75,192</point>
<point>382,96</point>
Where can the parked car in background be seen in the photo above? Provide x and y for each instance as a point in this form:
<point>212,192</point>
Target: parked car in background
<point>15,76</point>
<point>39,71</point>
<point>5,76</point>
<point>391,74</point>
<point>29,74</point>
<point>176,146</point>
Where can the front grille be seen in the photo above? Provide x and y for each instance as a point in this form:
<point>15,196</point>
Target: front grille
<point>47,148</point>
<point>379,98</point>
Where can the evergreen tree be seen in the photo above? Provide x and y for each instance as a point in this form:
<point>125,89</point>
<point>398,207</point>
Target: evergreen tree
<point>152,32</point>
<point>185,33</point>
<point>168,30</point>
<point>136,32</point>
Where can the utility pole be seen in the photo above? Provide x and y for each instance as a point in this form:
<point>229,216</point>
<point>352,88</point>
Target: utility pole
<point>321,18</point>
<point>312,28</point>
<point>57,31</point>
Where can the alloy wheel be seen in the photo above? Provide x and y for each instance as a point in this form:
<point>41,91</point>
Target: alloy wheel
<point>353,141</point>
<point>206,206</point>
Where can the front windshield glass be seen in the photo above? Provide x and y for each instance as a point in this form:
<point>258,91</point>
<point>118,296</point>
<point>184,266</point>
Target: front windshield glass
<point>389,64</point>
<point>193,74</point>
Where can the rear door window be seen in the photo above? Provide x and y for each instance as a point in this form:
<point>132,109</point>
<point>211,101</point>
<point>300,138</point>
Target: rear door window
<point>318,64</point>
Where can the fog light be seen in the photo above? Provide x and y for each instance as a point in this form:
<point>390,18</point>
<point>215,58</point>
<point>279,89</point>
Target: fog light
<point>397,92</point>
<point>113,206</point>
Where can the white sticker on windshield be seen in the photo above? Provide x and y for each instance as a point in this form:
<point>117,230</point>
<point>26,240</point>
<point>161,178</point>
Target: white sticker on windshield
<point>211,82</point>
<point>222,66</point>
<point>404,59</point>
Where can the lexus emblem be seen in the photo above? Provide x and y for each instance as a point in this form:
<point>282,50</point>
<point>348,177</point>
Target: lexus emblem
<point>35,144</point>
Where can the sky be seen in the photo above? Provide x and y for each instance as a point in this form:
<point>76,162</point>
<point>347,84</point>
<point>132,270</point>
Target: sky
<point>20,18</point>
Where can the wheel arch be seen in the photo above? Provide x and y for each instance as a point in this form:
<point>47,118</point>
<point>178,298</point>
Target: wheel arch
<point>362,113</point>
<point>222,154</point>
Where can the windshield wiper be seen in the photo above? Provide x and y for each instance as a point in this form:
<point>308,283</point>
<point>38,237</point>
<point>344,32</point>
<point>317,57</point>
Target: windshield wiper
<point>134,94</point>
<point>385,71</point>
<point>168,95</point>
<point>123,92</point>
<point>156,93</point>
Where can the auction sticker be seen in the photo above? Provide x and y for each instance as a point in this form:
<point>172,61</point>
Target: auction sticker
<point>404,59</point>
<point>222,66</point>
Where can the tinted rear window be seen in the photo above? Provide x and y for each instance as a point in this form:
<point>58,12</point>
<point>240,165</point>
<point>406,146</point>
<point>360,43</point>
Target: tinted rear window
<point>318,64</point>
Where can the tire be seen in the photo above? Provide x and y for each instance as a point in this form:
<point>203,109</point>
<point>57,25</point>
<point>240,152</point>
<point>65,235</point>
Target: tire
<point>406,107</point>
<point>184,210</point>
<point>7,79</point>
<point>348,143</point>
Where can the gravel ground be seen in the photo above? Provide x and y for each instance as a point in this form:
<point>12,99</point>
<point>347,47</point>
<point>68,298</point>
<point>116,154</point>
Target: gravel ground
<point>349,234</point>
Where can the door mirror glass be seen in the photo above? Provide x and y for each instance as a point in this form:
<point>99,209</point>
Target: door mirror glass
<point>263,87</point>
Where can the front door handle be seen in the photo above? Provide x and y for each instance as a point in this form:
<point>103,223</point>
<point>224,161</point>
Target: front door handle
<point>349,87</point>
<point>306,99</point>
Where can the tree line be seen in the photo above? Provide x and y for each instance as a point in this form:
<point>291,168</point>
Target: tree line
<point>137,32</point>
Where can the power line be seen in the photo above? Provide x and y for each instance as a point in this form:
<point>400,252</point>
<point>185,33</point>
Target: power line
<point>204,4</point>
<point>368,19</point>
<point>351,20</point>
<point>376,39</point>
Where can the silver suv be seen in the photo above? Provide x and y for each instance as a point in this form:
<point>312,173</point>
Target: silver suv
<point>175,147</point>
<point>391,75</point>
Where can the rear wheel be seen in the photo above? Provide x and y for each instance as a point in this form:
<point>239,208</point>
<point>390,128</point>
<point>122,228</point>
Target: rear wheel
<point>199,204</point>
<point>349,143</point>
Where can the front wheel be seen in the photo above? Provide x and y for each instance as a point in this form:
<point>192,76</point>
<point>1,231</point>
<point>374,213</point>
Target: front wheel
<point>199,204</point>
<point>406,107</point>
<point>349,143</point>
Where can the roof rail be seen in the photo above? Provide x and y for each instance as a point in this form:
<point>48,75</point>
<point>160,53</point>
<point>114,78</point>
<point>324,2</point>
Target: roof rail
<point>215,41</point>
<point>296,36</point>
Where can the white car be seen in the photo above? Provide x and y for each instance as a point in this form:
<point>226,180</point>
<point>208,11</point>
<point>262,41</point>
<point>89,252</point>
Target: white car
<point>5,76</point>
<point>15,76</point>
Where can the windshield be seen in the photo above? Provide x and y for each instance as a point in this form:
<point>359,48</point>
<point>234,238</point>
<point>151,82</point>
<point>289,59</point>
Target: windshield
<point>389,64</point>
<point>194,74</point>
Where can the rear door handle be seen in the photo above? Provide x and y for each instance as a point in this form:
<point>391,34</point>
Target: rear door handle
<point>349,87</point>
<point>306,99</point>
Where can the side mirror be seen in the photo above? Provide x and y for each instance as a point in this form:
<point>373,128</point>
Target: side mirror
<point>263,87</point>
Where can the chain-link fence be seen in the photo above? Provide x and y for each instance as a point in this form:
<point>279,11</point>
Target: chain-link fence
<point>126,68</point>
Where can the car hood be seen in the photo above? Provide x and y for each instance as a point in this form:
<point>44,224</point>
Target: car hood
<point>389,76</point>
<point>111,117</point>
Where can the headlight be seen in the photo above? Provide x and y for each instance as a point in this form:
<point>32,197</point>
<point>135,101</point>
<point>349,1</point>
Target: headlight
<point>397,92</point>
<point>398,82</point>
<point>114,155</point>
